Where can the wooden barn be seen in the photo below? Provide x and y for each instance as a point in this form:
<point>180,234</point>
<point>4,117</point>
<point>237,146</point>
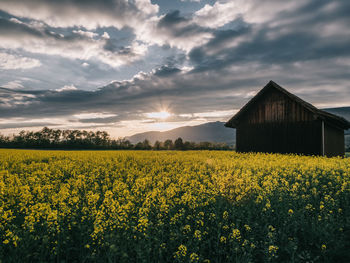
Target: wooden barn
<point>277,121</point>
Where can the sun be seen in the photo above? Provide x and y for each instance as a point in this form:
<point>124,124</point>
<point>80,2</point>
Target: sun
<point>159,115</point>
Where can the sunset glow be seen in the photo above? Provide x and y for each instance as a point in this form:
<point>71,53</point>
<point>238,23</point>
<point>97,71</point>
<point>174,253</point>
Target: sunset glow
<point>159,115</point>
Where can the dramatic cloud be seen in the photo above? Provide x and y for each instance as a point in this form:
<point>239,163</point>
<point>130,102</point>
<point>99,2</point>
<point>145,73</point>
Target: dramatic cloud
<point>197,65</point>
<point>219,14</point>
<point>175,30</point>
<point>89,14</point>
<point>75,45</point>
<point>178,91</point>
<point>66,88</point>
<point>140,15</point>
<point>8,61</point>
<point>16,84</point>
<point>282,40</point>
<point>252,11</point>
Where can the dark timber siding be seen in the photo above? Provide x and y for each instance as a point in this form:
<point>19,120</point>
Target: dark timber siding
<point>334,140</point>
<point>278,124</point>
<point>274,106</point>
<point>297,137</point>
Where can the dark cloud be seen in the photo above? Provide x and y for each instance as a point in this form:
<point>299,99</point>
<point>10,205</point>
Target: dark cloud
<point>288,48</point>
<point>112,46</point>
<point>89,14</point>
<point>166,6</point>
<point>22,30</point>
<point>76,44</point>
<point>179,26</point>
<point>317,12</point>
<point>8,27</point>
<point>118,97</point>
<point>165,71</point>
<point>183,93</point>
<point>172,18</point>
<point>224,36</point>
<point>101,120</point>
<point>15,125</point>
<point>298,39</point>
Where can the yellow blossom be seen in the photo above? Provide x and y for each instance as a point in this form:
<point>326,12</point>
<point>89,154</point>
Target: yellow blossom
<point>223,239</point>
<point>273,249</point>
<point>194,257</point>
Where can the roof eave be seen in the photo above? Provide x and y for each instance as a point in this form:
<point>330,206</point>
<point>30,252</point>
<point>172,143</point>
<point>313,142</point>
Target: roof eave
<point>337,120</point>
<point>341,122</point>
<point>230,125</point>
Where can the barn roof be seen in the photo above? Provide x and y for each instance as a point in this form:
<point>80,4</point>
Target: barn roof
<point>320,114</point>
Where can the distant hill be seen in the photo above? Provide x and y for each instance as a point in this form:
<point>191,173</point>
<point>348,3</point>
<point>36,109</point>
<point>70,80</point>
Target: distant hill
<point>342,112</point>
<point>207,132</point>
<point>215,131</point>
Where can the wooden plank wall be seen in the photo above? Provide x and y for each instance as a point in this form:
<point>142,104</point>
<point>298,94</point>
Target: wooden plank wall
<point>276,137</point>
<point>334,141</point>
<point>275,106</point>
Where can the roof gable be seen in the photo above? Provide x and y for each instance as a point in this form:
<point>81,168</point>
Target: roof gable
<point>235,120</point>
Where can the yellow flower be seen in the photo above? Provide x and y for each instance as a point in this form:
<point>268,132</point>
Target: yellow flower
<point>308,207</point>
<point>133,192</point>
<point>245,243</point>
<point>194,257</point>
<point>273,249</point>
<point>197,234</point>
<point>236,234</point>
<point>225,227</point>
<point>181,251</point>
<point>271,228</point>
<point>223,239</point>
<point>186,229</point>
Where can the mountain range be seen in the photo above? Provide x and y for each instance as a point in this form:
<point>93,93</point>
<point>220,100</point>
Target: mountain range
<point>207,132</point>
<point>214,131</point>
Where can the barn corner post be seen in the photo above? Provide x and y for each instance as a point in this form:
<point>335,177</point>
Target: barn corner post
<point>322,127</point>
<point>276,121</point>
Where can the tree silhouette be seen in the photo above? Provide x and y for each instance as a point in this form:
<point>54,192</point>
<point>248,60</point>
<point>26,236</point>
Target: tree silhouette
<point>157,145</point>
<point>48,138</point>
<point>146,145</point>
<point>168,144</point>
<point>178,144</point>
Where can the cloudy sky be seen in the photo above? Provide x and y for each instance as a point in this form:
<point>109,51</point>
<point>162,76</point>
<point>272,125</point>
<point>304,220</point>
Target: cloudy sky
<point>132,66</point>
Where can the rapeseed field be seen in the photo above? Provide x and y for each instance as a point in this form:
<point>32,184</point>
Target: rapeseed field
<point>170,206</point>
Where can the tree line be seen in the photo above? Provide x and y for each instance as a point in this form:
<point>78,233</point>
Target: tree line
<point>80,139</point>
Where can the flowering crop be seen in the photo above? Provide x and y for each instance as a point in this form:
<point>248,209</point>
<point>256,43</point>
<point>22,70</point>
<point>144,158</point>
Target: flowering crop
<point>143,206</point>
